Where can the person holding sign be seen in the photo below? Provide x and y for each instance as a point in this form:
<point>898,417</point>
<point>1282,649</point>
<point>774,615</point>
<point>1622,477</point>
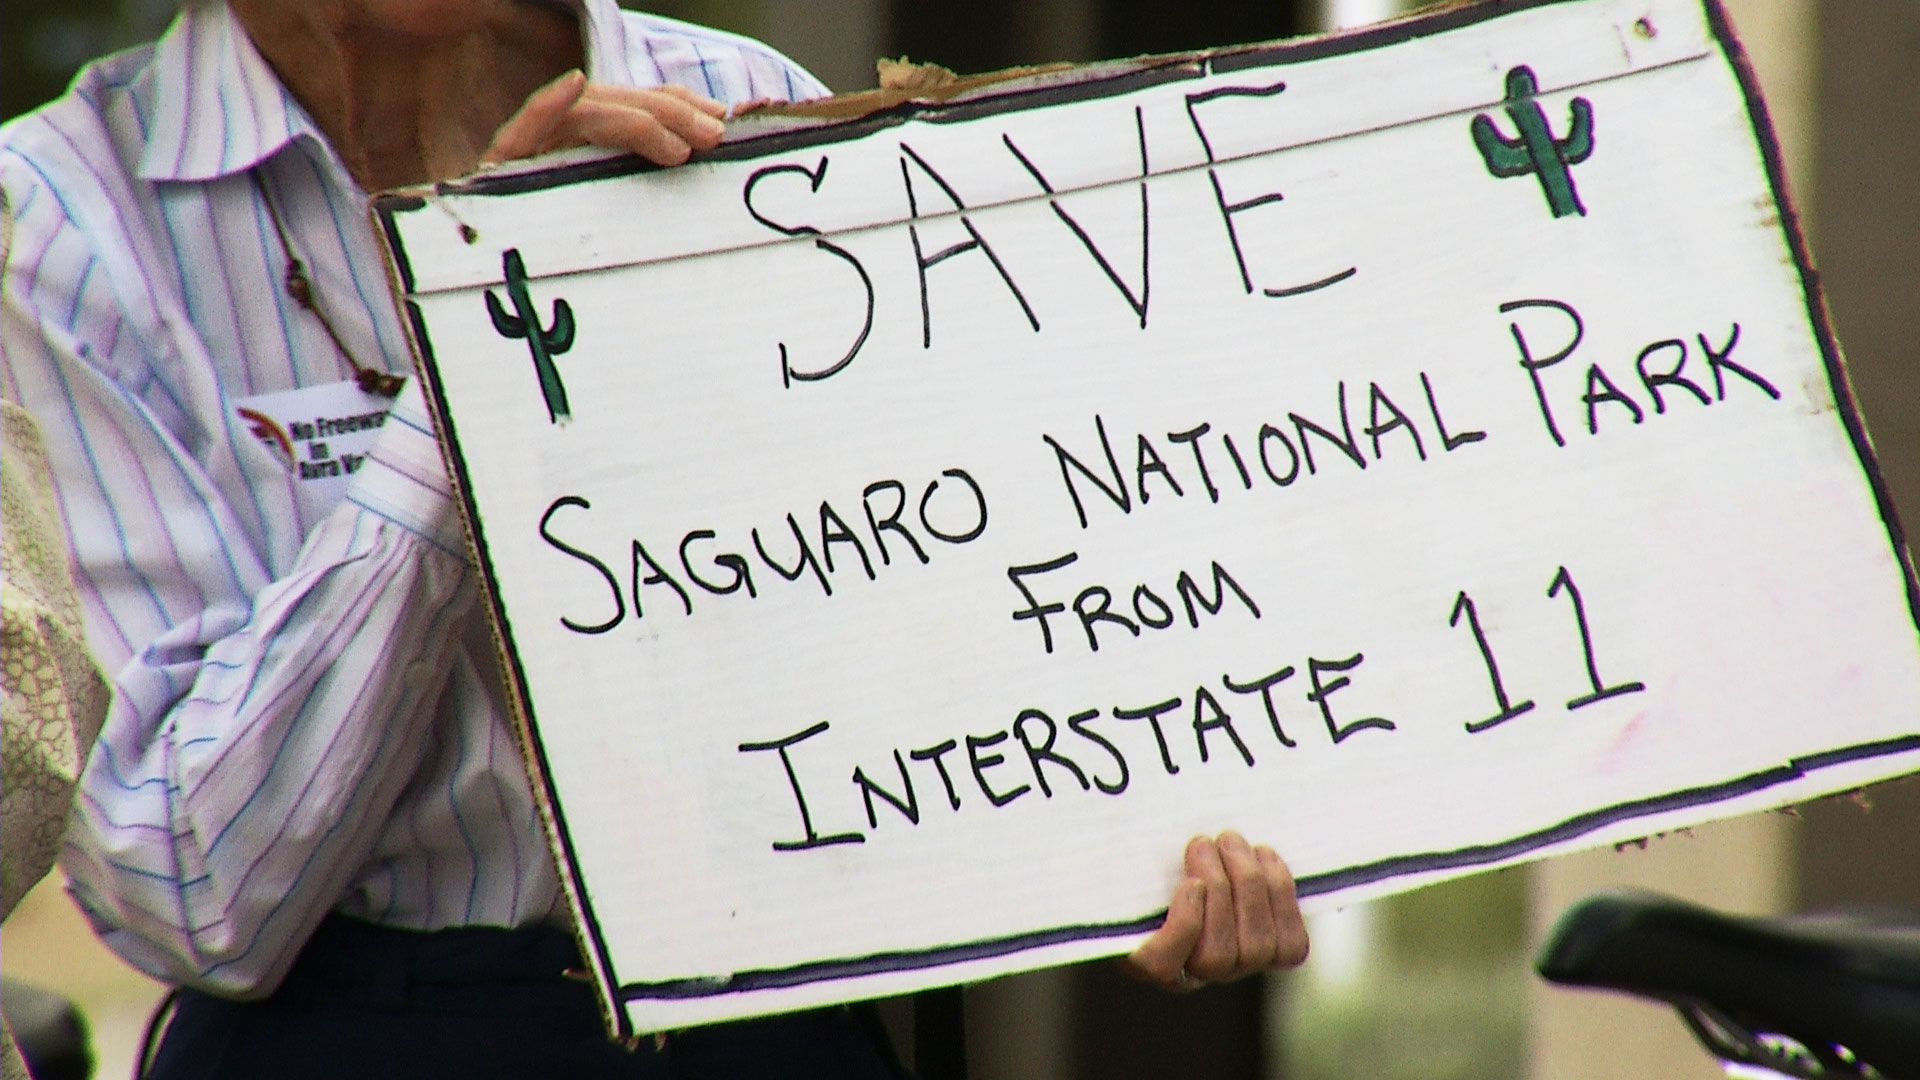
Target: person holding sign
<point>308,805</point>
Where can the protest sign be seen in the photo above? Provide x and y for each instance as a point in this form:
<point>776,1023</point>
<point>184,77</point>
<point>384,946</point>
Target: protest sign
<point>1421,449</point>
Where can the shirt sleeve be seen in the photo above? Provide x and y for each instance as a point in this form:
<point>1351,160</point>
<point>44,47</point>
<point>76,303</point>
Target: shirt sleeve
<point>723,66</point>
<point>263,724</point>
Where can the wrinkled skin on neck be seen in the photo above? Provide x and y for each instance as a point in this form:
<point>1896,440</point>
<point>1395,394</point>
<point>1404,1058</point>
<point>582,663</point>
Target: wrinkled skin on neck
<point>410,91</point>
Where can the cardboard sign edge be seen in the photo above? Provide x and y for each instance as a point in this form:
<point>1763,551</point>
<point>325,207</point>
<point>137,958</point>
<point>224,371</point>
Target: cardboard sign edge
<point>613,995</point>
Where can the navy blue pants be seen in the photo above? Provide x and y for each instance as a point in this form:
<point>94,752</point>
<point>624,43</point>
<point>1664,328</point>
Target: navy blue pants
<point>365,1002</point>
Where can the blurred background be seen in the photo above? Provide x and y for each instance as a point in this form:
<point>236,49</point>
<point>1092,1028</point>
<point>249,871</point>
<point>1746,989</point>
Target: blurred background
<point>1433,984</point>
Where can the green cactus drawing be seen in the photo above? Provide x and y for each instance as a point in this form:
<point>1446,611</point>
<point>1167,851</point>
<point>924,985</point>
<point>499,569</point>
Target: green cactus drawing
<point>544,343</point>
<point>1535,150</point>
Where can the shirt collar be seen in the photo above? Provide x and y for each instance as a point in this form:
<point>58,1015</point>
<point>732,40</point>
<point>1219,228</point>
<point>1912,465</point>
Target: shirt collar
<point>220,109</point>
<point>604,31</point>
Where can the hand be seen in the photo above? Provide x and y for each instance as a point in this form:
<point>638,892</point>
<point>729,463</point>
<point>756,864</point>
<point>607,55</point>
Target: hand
<point>1235,915</point>
<point>664,124</point>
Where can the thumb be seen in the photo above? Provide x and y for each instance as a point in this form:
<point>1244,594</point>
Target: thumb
<point>1162,958</point>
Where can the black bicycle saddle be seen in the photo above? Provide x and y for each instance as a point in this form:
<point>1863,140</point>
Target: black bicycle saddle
<point>1846,987</point>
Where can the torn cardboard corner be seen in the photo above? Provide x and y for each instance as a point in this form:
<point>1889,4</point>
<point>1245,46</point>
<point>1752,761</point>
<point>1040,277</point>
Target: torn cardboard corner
<point>902,82</point>
<point>905,74</point>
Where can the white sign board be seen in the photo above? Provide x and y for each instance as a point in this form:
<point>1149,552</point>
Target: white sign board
<point>1422,450</point>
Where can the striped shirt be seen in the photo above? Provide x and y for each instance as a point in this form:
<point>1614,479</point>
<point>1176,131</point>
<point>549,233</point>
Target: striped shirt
<point>307,716</point>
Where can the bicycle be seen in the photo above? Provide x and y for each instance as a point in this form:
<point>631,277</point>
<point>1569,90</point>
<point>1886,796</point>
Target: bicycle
<point>1803,996</point>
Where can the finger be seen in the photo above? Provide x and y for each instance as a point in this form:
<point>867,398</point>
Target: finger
<point>742,108</point>
<point>1216,956</point>
<point>618,127</point>
<point>1162,957</point>
<point>1290,927</point>
<point>1257,945</point>
<point>530,130</point>
<point>693,123</point>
